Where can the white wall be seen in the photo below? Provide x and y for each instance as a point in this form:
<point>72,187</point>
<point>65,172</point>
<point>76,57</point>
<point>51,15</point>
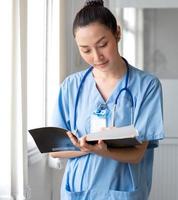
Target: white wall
<point>40,181</point>
<point>160,42</point>
<point>147,3</point>
<point>165,174</point>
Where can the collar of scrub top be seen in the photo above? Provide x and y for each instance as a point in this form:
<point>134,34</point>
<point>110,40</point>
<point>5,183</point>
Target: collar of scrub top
<point>125,88</point>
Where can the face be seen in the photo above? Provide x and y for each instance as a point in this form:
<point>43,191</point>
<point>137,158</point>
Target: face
<point>98,46</point>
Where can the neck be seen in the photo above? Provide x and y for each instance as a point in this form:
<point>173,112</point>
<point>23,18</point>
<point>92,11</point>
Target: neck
<point>114,72</point>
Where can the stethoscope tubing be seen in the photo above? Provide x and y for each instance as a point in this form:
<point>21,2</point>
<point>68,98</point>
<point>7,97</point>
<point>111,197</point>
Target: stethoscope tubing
<point>115,103</point>
<point>78,94</point>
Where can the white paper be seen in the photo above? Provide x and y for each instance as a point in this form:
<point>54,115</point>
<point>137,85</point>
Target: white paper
<point>114,133</point>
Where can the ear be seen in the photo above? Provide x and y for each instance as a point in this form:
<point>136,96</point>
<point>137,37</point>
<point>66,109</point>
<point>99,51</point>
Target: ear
<point>118,33</point>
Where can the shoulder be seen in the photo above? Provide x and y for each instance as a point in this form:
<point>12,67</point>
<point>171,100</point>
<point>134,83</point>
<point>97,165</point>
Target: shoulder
<point>142,78</point>
<point>74,79</point>
<point>69,87</point>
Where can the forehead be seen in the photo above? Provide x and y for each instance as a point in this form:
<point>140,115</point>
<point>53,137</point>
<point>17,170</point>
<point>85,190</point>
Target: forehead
<point>91,33</point>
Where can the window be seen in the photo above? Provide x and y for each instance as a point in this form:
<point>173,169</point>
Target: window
<point>132,44</point>
<point>42,64</point>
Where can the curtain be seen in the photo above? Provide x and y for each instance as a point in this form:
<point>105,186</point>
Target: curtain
<point>13,104</point>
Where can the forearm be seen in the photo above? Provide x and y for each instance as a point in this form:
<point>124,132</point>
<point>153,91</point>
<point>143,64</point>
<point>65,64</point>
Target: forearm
<point>67,154</point>
<point>126,155</point>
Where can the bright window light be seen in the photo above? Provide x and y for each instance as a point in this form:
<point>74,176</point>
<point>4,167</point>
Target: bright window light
<point>43,62</point>
<point>129,48</point>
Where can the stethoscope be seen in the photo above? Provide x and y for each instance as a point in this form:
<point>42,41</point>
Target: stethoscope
<point>125,88</point>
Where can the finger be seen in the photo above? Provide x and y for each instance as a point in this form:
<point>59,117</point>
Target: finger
<point>83,143</point>
<point>84,146</point>
<point>70,134</point>
<point>85,150</point>
<point>100,141</point>
<point>73,139</point>
<point>102,144</point>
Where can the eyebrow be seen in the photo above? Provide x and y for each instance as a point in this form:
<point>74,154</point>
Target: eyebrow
<point>95,43</point>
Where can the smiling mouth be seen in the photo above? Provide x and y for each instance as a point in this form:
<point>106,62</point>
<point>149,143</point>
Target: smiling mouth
<point>100,64</point>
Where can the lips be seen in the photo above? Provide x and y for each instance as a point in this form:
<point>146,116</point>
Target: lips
<point>101,64</point>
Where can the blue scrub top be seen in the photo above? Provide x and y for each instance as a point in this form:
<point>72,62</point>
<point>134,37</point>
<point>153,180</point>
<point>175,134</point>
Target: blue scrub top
<point>92,177</point>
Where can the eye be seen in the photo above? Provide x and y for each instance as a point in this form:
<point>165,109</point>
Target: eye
<point>86,51</point>
<point>102,44</point>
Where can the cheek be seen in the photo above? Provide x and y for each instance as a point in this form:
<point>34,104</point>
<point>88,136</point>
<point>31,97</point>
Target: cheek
<point>112,51</point>
<point>86,58</point>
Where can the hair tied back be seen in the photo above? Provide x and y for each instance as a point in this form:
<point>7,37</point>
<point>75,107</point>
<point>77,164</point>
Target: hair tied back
<point>94,3</point>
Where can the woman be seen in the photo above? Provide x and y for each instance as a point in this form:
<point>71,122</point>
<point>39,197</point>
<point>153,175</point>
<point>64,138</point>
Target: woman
<point>97,172</point>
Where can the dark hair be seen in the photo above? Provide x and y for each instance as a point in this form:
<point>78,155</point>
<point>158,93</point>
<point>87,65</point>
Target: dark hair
<point>94,11</point>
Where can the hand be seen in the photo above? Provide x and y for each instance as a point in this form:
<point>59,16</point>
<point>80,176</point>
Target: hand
<point>99,148</point>
<point>79,143</point>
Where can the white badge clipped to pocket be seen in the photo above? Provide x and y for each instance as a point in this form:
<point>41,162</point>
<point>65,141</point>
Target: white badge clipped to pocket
<point>98,119</point>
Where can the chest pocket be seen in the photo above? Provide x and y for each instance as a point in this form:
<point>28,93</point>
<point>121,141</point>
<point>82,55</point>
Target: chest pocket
<point>123,112</point>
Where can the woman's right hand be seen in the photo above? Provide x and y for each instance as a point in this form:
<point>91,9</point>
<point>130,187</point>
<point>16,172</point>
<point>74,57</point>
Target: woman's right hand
<point>100,148</point>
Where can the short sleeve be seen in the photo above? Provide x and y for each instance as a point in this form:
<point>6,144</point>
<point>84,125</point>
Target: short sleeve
<point>149,114</point>
<point>60,117</point>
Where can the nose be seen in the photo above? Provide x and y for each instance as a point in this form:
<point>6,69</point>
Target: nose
<point>97,56</point>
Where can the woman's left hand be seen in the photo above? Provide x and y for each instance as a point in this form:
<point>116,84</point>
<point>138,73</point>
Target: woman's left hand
<point>99,148</point>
